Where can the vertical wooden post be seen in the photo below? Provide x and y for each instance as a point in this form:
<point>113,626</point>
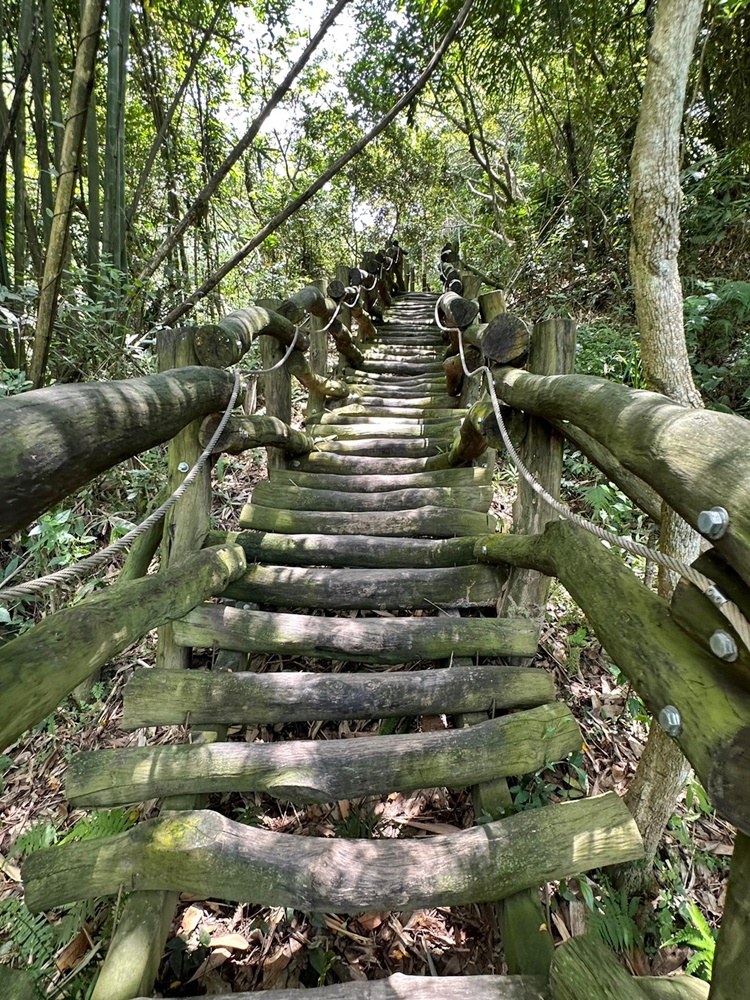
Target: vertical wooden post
<point>731,966</point>
<point>551,352</point>
<point>318,354</point>
<point>277,388</point>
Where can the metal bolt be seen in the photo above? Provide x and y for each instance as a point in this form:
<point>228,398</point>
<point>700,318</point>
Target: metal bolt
<point>723,645</point>
<point>670,720</point>
<point>713,523</point>
<point>716,597</point>
<point>484,550</point>
<point>183,467</point>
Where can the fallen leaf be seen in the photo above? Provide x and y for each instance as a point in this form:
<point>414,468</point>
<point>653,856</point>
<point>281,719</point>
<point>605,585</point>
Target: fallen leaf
<point>72,953</point>
<point>235,941</point>
<point>190,919</point>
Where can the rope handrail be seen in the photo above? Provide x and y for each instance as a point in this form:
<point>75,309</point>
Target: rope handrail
<point>708,587</point>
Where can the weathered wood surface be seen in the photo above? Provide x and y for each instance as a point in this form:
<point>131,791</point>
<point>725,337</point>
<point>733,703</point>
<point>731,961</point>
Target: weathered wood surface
<point>219,345</point>
<point>42,666</point>
<point>375,399</point>
<point>473,476</point>
<point>504,340</point>
<point>309,299</point>
<point>285,497</point>
<point>369,589</point>
<point>730,969</point>
<point>17,984</point>
<point>368,640</point>
<point>54,440</point>
<point>662,662</point>
<point>379,447</point>
<point>456,311</point>
<point>423,522</point>
<point>330,388</point>
<point>242,433</point>
<point>385,429</point>
<point>359,551</point>
<point>161,698</point>
<point>363,412</point>
<point>305,771</point>
<point>491,303</point>
<point>585,967</point>
<point>213,857</point>
<point>277,392</point>
<point>694,459</point>
<point>400,987</point>
<point>362,465</point>
<point>471,439</point>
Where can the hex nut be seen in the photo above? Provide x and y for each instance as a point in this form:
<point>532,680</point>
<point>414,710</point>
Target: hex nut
<point>183,467</point>
<point>723,646</point>
<point>713,523</point>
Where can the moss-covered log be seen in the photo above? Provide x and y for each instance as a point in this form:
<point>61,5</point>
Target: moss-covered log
<point>466,477</point>
<point>287,497</point>
<point>661,661</point>
<point>242,433</point>
<point>348,550</point>
<point>41,667</point>
<point>379,447</point>
<point>54,440</point>
<point>504,340</point>
<point>694,459</point>
<point>374,399</point>
<point>331,388</point>
<point>219,345</point>
<point>423,522</point>
<point>457,312</point>
<point>163,698</point>
<point>400,987</point>
<point>585,967</point>
<point>370,589</point>
<point>310,300</point>
<point>438,429</point>
<point>471,439</point>
<point>368,640</point>
<point>214,857</point>
<point>327,461</point>
<point>730,971</point>
<point>305,771</point>
<point>364,413</point>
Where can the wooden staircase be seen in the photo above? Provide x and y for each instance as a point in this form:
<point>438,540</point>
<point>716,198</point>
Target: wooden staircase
<point>369,522</point>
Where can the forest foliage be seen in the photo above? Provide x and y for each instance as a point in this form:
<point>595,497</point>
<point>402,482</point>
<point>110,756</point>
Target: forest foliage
<point>518,148</point>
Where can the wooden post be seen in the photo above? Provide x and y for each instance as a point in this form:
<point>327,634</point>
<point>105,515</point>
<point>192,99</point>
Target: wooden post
<point>277,388</point>
<point>551,352</point>
<point>730,970</point>
<point>316,401</point>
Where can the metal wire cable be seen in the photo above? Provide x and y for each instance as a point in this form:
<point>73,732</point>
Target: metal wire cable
<point>730,611</point>
<point>86,566</point>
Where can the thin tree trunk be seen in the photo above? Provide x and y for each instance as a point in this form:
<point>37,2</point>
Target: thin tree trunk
<point>326,176</point>
<point>198,206</point>
<point>40,135</point>
<point>655,198</point>
<point>114,168</point>
<point>53,76</point>
<point>16,131</point>
<point>80,92</point>
<point>93,244</point>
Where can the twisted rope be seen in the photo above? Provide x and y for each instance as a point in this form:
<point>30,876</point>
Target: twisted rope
<point>71,574</point>
<point>730,611</point>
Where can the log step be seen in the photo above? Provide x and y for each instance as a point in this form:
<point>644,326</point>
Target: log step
<point>373,401</point>
<point>472,476</point>
<point>442,429</point>
<point>353,464</point>
<point>357,551</point>
<point>370,589</point>
<point>354,413</point>
<point>403,367</point>
<point>212,857</point>
<point>305,771</point>
<point>424,522</point>
<point>416,447</point>
<point>168,697</point>
<point>284,497</point>
<point>365,640</point>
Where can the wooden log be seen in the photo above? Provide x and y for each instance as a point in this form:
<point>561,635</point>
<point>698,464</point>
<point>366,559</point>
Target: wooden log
<point>17,984</point>
<point>438,429</point>
<point>473,476</point>
<point>348,550</point>
<point>290,498</point>
<point>584,966</point>
<point>491,304</point>
<point>329,388</point>
<point>54,440</point>
<point>385,447</point>
<point>309,299</point>
<point>277,390</point>
<point>694,459</point>
<point>305,771</point>
<point>472,988</point>
<point>424,522</point>
<point>337,290</point>
<point>316,399</point>
<point>219,345</point>
<point>42,666</point>
<point>391,368</point>
<point>662,662</point>
<point>375,400</point>
<point>367,640</point>
<point>358,465</point>
<point>454,374</point>
<point>457,312</point>
<point>471,440</point>
<point>210,856</point>
<point>362,413</point>
<point>342,338</point>
<point>242,433</point>
<point>505,340</point>
<point>369,589</point>
<point>729,979</point>
<point>143,549</point>
<point>161,698</point>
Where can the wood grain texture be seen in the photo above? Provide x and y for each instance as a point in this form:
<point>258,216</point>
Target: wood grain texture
<point>424,522</point>
<point>213,857</point>
<point>367,640</point>
<point>158,697</point>
<point>385,481</point>
<point>305,771</point>
<point>289,497</point>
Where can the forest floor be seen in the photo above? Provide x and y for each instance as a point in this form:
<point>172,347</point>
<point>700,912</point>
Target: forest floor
<point>216,947</point>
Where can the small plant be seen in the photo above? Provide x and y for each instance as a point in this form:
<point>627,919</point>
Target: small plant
<point>322,960</point>
<point>612,916</point>
<point>698,936</point>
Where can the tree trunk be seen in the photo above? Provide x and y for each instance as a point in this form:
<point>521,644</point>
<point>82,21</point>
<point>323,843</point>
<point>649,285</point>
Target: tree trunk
<point>80,92</point>
<point>655,198</point>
